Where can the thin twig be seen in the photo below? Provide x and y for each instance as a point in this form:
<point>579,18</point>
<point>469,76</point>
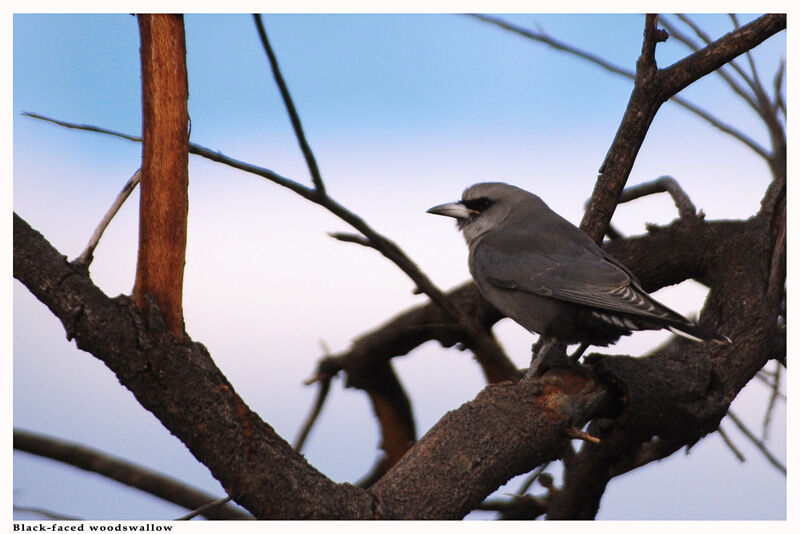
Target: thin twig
<point>663,184</point>
<point>757,442</point>
<point>652,451</point>
<point>577,433</point>
<point>88,254</point>
<point>723,127</point>
<point>558,45</point>
<point>736,452</point>
<point>518,507</point>
<point>287,100</point>
<point>758,89</point>
<point>322,395</point>
<point>773,398</point>
<point>652,36</point>
<point>351,238</point>
<point>202,509</point>
<point>770,381</point>
<point>780,103</point>
<point>45,513</point>
<point>84,127</point>
<point>531,478</point>
<point>554,43</point>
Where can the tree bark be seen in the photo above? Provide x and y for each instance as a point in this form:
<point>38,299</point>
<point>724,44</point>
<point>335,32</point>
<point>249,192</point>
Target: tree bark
<point>164,204</point>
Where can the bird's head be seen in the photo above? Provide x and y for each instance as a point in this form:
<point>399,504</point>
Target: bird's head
<point>483,207</point>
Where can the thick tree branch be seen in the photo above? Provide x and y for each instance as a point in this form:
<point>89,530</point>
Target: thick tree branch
<point>653,87</point>
<point>454,322</point>
<point>678,35</point>
<point>530,431</point>
<point>178,382</point>
<point>164,201</point>
<point>676,77</point>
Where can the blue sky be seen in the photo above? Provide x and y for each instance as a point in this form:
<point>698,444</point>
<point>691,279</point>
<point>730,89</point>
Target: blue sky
<point>403,112</point>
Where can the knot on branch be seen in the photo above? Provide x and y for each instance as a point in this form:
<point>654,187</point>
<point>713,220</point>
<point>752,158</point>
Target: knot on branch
<point>667,394</point>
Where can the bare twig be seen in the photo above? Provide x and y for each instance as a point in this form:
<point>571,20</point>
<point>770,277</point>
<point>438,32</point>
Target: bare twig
<point>518,507</point>
<point>775,394</point>
<point>769,380</point>
<point>554,43</point>
<point>531,478</point>
<point>607,65</point>
<point>203,509</point>
<point>84,127</point>
<point>723,127</point>
<point>392,406</point>
<point>758,88</point>
<point>87,255</point>
<point>652,36</point>
<point>287,100</point>
<point>577,433</point>
<point>322,395</point>
<point>351,238</point>
<point>662,184</point>
<point>652,451</point>
<point>777,84</point>
<point>736,452</point>
<point>164,188</point>
<point>58,516</point>
<point>757,442</point>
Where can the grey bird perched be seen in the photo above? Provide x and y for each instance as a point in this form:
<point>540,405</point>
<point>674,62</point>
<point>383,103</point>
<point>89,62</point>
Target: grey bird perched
<point>549,276</point>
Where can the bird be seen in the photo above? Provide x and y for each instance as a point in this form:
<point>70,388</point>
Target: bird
<point>549,276</point>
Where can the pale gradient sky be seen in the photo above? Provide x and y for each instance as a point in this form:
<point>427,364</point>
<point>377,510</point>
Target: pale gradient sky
<point>403,112</point>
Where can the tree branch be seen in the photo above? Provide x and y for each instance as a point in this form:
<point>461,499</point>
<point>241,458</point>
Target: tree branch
<point>164,200</point>
<point>123,471</point>
<point>757,442</point>
<point>88,253</point>
<point>181,386</point>
<point>607,65</point>
<point>664,184</point>
<point>651,88</point>
<point>179,383</point>
<point>293,116</point>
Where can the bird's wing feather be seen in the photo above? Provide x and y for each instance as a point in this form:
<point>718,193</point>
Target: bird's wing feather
<point>565,270</point>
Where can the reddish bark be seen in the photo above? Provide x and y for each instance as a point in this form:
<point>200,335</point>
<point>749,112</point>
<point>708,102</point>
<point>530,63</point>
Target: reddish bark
<point>164,201</point>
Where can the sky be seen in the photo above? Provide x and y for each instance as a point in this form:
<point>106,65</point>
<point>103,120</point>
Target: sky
<point>403,112</point>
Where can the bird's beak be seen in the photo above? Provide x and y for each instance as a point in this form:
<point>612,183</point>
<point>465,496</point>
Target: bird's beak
<point>453,209</point>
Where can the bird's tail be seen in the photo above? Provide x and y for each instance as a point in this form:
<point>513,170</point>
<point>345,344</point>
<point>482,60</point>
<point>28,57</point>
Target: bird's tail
<point>695,332</point>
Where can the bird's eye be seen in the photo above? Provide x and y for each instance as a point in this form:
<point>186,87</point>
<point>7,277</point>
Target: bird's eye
<point>477,204</point>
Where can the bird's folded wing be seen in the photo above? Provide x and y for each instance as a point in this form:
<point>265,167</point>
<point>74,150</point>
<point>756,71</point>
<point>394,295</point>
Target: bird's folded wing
<point>582,278</point>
